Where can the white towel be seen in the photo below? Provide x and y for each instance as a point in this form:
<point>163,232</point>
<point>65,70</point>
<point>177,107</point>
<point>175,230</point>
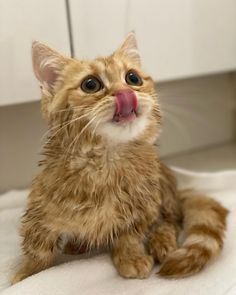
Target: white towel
<point>96,275</point>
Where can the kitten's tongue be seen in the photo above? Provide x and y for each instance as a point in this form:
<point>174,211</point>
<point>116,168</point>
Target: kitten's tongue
<point>126,104</point>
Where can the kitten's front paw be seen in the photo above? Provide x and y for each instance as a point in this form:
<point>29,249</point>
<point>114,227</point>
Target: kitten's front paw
<point>138,267</point>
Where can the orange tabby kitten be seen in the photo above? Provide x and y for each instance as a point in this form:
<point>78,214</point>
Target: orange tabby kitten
<point>103,183</point>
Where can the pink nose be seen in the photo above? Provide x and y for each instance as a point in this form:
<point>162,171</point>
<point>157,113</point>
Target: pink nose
<point>126,102</point>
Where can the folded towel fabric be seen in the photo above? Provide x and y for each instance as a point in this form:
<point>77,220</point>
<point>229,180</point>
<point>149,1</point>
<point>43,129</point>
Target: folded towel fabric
<point>96,275</point>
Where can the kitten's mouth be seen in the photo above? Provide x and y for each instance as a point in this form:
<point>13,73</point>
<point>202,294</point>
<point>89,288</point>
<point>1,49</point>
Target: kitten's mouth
<point>126,106</point>
<point>118,117</point>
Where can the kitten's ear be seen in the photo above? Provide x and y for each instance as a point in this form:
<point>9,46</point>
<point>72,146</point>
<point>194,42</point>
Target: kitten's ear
<point>130,49</point>
<point>47,65</point>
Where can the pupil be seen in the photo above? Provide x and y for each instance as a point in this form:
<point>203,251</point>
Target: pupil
<point>133,78</point>
<point>91,84</point>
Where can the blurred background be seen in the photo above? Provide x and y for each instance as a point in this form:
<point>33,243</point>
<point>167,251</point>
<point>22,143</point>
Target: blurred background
<point>188,46</point>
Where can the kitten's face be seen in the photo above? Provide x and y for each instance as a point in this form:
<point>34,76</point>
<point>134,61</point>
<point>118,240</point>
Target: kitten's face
<point>111,95</point>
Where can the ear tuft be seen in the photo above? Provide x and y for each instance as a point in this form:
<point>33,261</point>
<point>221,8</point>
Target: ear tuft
<point>130,48</point>
<point>47,65</point>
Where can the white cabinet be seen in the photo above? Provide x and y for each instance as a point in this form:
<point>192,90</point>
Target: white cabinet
<point>177,39</point>
<point>98,27</point>
<point>186,37</point>
<point>21,22</point>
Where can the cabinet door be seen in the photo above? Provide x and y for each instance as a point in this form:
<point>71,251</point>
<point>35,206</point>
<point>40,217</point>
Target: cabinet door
<point>186,37</point>
<point>98,26</point>
<point>21,22</point>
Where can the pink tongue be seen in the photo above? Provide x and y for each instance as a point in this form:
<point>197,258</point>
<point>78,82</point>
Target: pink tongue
<point>126,102</point>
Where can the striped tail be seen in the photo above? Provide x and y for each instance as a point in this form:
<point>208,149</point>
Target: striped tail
<point>204,225</point>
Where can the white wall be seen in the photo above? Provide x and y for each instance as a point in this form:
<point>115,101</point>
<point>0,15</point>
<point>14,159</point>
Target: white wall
<point>197,112</point>
<point>21,128</point>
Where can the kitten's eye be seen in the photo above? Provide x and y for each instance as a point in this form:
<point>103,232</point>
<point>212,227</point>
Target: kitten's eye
<point>132,78</point>
<point>91,85</point>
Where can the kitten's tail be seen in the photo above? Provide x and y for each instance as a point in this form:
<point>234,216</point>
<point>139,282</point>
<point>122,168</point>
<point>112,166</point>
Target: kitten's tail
<point>204,224</point>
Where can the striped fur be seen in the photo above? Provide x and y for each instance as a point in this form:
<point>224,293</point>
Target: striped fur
<point>204,225</point>
<point>102,184</point>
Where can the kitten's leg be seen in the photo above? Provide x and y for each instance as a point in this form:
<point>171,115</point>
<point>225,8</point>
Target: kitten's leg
<point>130,257</point>
<point>162,240</point>
<point>39,247</point>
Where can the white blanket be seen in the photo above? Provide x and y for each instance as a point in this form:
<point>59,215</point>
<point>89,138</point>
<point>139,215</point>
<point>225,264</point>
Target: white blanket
<point>96,275</point>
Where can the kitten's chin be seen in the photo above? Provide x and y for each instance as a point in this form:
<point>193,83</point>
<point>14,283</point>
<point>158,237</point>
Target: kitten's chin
<point>118,119</point>
<point>124,129</point>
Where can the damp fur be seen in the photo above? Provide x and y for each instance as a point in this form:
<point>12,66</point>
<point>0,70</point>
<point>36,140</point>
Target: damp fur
<point>102,184</point>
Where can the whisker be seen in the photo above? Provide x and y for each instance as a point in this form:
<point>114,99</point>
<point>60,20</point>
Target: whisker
<point>59,125</point>
<point>93,133</point>
<point>65,125</point>
<point>194,114</point>
<point>177,124</point>
<point>71,144</point>
<point>93,112</point>
<point>81,132</point>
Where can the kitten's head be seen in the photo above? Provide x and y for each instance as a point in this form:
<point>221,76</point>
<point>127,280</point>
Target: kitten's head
<point>110,97</point>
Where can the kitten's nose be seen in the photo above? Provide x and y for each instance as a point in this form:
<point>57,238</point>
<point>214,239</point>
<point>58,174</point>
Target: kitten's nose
<point>126,102</point>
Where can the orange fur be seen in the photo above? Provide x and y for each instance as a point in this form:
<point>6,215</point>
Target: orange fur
<point>204,225</point>
<point>102,183</point>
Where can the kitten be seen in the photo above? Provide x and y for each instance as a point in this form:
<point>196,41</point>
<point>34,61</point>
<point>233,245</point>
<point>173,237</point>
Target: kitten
<point>102,182</point>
